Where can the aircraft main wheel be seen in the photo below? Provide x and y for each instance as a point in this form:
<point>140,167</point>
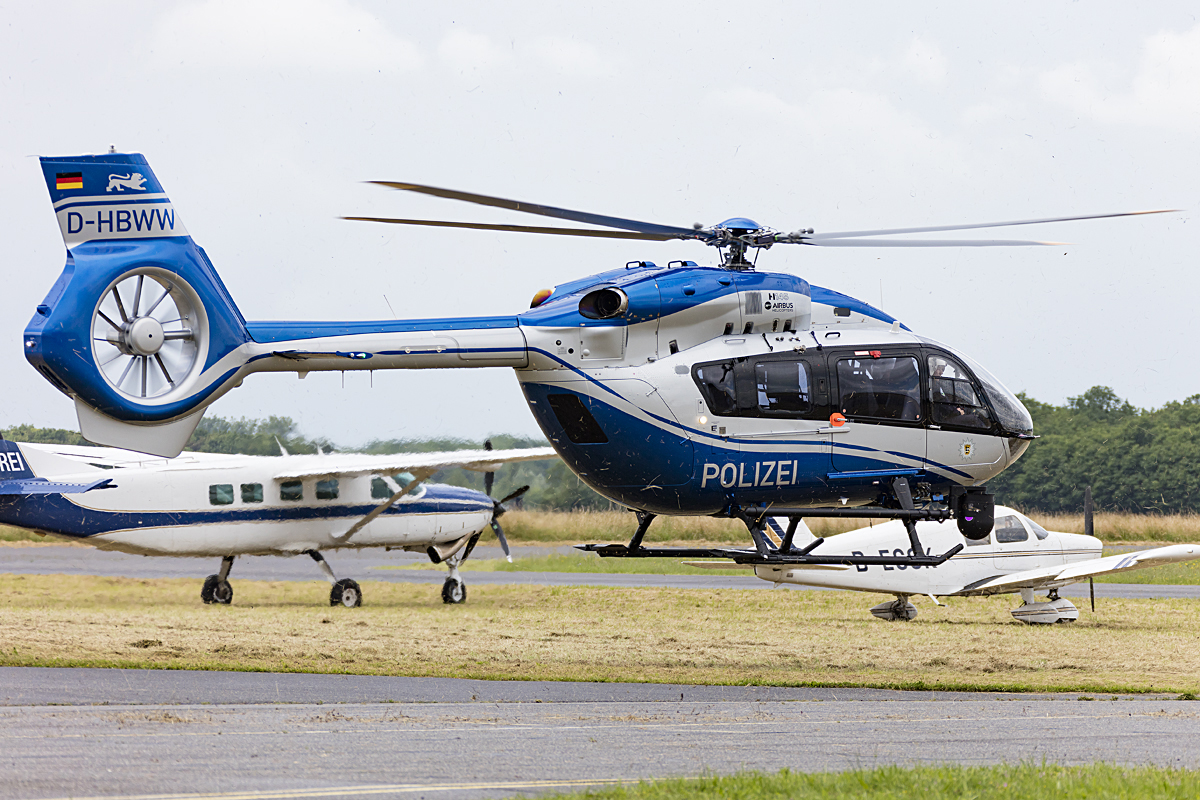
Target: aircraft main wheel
<point>453,591</point>
<point>346,592</point>
<point>216,590</point>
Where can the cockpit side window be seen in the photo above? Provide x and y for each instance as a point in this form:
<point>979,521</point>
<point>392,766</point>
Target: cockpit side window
<point>783,388</point>
<point>1009,529</point>
<point>716,382</point>
<point>953,399</point>
<point>1038,530</point>
<point>881,388</point>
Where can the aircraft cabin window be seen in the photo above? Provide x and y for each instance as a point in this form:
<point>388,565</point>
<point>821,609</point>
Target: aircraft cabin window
<point>883,388</point>
<point>717,386</point>
<point>252,493</point>
<point>1009,529</point>
<point>953,397</point>
<point>327,489</point>
<point>380,490</point>
<point>291,491</point>
<point>1038,530</point>
<point>784,388</point>
<point>578,423</point>
<point>220,494</point>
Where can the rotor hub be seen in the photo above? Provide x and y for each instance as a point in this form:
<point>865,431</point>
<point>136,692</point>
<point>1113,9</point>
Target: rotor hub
<point>143,336</point>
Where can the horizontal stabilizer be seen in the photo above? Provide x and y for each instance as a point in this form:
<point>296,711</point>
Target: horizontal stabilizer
<point>39,486</point>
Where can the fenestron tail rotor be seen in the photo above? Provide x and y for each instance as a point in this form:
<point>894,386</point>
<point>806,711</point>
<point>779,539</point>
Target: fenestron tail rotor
<point>147,333</point>
<point>733,237</point>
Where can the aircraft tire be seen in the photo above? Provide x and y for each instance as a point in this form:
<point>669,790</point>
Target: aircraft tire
<point>345,593</point>
<point>453,591</point>
<point>216,590</point>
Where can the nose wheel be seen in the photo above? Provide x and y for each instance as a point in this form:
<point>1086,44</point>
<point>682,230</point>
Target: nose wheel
<point>454,591</point>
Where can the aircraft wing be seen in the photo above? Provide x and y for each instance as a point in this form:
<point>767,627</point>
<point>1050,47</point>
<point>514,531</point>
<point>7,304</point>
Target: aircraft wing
<point>349,465</point>
<point>31,486</point>
<point>1050,577</point>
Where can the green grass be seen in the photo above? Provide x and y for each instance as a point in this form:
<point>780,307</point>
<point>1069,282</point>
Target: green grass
<point>923,783</point>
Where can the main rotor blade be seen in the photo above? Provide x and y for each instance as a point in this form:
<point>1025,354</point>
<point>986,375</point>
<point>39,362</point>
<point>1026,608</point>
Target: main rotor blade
<point>925,243</point>
<point>549,211</point>
<point>483,226</point>
<point>936,228</point>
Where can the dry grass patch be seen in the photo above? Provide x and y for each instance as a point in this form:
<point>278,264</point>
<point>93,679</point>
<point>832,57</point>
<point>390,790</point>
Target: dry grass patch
<point>596,634</point>
<point>1112,527</point>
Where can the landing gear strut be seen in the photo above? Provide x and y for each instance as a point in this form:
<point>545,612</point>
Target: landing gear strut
<point>345,592</point>
<point>216,588</point>
<point>454,591</point>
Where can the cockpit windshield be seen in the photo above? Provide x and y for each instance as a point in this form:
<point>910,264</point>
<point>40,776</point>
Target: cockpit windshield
<point>1012,416</point>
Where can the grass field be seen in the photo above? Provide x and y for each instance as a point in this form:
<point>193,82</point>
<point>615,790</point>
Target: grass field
<point>924,783</point>
<point>597,634</point>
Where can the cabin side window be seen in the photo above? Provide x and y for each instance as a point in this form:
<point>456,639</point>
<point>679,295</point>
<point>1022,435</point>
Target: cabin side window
<point>220,494</point>
<point>577,422</point>
<point>952,397</point>
<point>716,382</point>
<point>252,493</point>
<point>1009,529</point>
<point>291,491</point>
<point>784,388</point>
<point>327,489</point>
<point>880,388</point>
<point>380,490</point>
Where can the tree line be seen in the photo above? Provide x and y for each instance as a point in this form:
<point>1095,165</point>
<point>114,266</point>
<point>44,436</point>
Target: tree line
<point>1135,460</point>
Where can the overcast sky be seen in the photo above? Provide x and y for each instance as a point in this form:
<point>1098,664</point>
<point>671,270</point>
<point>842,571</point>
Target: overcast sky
<point>262,120</point>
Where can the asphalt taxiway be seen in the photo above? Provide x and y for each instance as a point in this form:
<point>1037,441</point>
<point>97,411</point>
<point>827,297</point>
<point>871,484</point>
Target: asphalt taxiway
<point>173,734</point>
<point>377,564</point>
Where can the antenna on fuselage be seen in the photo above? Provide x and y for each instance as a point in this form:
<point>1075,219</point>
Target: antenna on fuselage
<point>282,450</point>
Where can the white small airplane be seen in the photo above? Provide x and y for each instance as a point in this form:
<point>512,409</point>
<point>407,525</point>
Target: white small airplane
<point>1018,556</point>
<point>206,504</point>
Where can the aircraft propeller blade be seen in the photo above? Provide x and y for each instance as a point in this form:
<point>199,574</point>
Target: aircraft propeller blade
<point>550,211</point>
<point>482,226</point>
<point>503,541</point>
<point>1088,511</point>
<point>1089,530</point>
<point>488,477</point>
<point>936,228</point>
<point>512,496</point>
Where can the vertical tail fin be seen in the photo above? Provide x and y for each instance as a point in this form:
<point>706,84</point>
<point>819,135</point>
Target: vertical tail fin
<point>13,466</point>
<point>113,197</point>
<point>136,327</point>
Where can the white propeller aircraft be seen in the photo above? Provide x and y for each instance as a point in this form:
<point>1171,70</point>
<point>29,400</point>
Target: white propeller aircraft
<point>1017,556</point>
<point>206,504</point>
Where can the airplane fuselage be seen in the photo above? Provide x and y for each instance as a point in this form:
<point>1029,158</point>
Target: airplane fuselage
<point>205,505</point>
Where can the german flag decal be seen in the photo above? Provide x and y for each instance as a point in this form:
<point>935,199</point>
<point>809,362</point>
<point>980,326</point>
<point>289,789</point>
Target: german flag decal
<point>69,180</point>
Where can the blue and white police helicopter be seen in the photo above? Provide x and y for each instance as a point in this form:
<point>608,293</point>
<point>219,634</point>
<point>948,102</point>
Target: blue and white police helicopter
<point>224,506</point>
<point>686,389</point>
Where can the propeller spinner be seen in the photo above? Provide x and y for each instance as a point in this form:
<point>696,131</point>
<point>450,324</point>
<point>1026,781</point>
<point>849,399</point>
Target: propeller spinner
<point>733,237</point>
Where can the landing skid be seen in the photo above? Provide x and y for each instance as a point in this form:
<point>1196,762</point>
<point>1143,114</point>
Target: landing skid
<point>765,553</point>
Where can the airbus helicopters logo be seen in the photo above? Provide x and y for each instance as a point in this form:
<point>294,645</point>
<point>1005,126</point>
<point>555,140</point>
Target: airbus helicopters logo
<point>779,302</point>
